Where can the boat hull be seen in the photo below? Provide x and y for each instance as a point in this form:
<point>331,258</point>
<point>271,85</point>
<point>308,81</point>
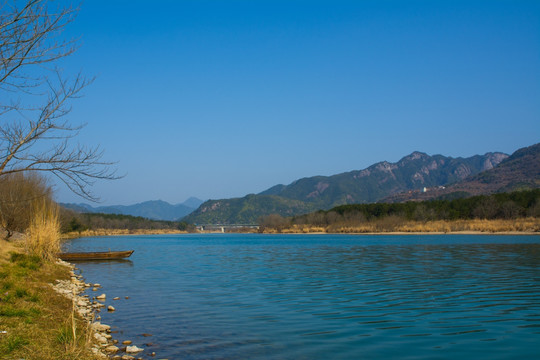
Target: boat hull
<point>104,255</point>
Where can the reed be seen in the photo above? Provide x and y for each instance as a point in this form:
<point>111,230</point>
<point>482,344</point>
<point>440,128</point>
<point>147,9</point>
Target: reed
<point>394,224</point>
<point>43,233</point>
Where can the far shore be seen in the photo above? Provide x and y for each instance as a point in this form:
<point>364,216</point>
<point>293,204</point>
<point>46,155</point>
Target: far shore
<point>123,232</point>
<point>119,232</point>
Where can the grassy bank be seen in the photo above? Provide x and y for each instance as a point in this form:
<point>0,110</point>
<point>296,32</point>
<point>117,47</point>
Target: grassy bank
<point>398,225</point>
<point>38,322</point>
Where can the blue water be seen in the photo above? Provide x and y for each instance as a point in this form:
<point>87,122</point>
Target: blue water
<point>323,296</point>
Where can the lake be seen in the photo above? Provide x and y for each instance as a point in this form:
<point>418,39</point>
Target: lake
<point>251,296</point>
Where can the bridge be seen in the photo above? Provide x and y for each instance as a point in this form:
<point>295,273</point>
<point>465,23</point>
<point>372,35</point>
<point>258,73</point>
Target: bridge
<point>224,227</point>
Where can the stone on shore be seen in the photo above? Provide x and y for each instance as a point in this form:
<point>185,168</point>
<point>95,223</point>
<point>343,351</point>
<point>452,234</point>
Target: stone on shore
<point>100,327</point>
<point>101,297</point>
<point>100,338</point>
<point>133,349</point>
<point>111,349</point>
<point>127,342</point>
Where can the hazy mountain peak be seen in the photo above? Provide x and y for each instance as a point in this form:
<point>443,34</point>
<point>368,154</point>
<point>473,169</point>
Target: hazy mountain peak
<point>151,209</point>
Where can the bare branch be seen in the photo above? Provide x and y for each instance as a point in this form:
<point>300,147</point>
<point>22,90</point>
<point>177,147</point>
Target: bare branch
<point>35,132</point>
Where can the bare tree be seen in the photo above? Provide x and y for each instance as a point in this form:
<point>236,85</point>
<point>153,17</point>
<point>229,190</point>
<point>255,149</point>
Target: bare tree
<point>35,134</point>
<point>18,195</point>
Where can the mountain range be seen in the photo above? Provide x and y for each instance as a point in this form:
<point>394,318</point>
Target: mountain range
<point>520,171</point>
<point>416,176</point>
<point>156,209</point>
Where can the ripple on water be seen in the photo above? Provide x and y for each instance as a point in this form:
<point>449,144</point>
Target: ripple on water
<point>339,297</point>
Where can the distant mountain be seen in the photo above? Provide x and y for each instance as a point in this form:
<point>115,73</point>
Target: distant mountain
<point>246,210</point>
<point>413,172</point>
<point>155,210</point>
<point>520,171</point>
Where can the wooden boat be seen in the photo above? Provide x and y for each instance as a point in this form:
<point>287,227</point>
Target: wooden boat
<point>103,255</point>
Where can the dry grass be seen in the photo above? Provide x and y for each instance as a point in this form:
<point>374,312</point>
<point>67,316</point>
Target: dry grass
<point>112,232</point>
<point>39,322</point>
<point>392,224</point>
<point>43,233</point>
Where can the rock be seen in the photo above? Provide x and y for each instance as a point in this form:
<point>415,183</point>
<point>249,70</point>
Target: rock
<point>107,336</point>
<point>110,308</point>
<point>95,289</point>
<point>100,327</point>
<point>116,298</point>
<point>153,354</point>
<point>127,297</point>
<point>83,312</point>
<point>82,303</point>
<point>100,338</point>
<point>127,342</point>
<point>133,349</point>
<point>101,297</point>
<point>127,357</point>
<point>97,285</point>
<point>146,335</point>
<point>111,349</point>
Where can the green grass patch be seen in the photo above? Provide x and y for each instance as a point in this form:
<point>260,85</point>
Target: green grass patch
<point>32,262</point>
<point>10,311</point>
<point>12,343</point>
<point>21,293</point>
<point>7,285</point>
<point>64,336</point>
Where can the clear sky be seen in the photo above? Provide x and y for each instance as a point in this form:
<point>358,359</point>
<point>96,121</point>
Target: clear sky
<point>219,99</point>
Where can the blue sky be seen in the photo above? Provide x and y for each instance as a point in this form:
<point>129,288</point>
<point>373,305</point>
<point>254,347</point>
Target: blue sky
<point>219,99</point>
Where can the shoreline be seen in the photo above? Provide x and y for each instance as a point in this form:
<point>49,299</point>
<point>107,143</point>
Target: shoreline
<point>408,233</point>
<point>88,308</point>
<point>121,232</point>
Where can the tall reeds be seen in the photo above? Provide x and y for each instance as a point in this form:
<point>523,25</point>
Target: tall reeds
<point>43,233</point>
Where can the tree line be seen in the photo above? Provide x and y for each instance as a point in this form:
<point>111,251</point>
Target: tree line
<point>519,204</point>
<point>72,221</point>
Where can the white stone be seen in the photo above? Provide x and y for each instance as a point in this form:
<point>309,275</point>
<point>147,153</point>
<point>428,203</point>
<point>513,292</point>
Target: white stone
<point>111,308</point>
<point>100,338</point>
<point>133,349</point>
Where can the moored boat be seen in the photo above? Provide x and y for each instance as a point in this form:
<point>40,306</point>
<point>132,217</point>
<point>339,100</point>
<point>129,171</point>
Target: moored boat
<point>99,255</point>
